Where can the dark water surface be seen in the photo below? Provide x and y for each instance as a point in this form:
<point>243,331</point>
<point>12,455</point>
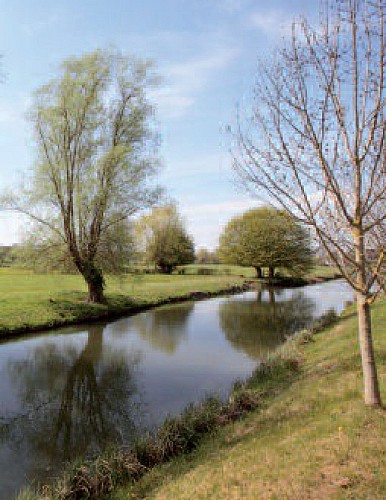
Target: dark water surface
<point>76,391</point>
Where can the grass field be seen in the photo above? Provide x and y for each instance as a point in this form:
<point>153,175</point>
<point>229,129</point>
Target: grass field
<point>314,440</point>
<point>31,301</point>
<point>250,272</point>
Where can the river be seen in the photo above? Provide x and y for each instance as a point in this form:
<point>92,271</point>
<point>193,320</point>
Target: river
<point>76,391</point>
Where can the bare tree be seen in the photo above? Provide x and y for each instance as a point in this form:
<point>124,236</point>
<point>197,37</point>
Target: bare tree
<point>94,160</point>
<point>315,146</point>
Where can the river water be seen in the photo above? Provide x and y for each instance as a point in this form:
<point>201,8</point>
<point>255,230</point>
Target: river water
<point>76,391</point>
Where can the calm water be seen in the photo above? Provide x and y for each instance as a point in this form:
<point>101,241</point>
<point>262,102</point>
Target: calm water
<point>76,391</point>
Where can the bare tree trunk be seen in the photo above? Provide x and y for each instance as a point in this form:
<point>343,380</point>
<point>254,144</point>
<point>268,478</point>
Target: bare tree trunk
<point>166,268</point>
<point>259,272</point>
<point>372,395</point>
<point>370,379</point>
<point>271,273</point>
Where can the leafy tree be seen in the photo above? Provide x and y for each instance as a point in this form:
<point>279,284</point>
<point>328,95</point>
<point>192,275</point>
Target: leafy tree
<point>314,145</point>
<point>266,237</point>
<point>42,252</point>
<point>166,241</point>
<point>205,256</point>
<point>94,159</point>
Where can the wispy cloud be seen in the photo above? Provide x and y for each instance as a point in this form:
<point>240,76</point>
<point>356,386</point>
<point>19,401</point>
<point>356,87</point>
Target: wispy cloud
<point>271,22</point>
<point>184,81</point>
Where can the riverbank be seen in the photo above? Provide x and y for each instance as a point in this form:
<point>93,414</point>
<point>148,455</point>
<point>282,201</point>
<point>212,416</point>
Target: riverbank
<point>32,302</point>
<point>313,438</point>
<point>293,282</point>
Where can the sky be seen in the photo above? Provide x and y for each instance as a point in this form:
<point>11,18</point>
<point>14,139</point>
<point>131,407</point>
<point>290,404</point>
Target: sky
<point>206,53</point>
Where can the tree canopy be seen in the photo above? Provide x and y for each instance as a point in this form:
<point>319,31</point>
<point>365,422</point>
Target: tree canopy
<point>95,158</point>
<point>266,237</point>
<point>166,242</point>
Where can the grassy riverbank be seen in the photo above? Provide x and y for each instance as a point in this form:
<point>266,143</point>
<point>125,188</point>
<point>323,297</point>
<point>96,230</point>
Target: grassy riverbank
<point>38,301</point>
<point>313,438</point>
<point>31,301</point>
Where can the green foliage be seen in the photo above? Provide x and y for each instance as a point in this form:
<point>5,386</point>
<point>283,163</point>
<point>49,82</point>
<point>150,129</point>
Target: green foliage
<point>95,158</point>
<point>166,241</point>
<point>205,256</point>
<point>44,253</point>
<point>266,237</point>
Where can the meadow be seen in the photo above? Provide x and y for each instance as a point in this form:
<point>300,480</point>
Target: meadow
<point>31,301</point>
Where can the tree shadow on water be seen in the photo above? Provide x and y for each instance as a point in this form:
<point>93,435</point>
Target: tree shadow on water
<point>74,400</point>
<point>257,326</point>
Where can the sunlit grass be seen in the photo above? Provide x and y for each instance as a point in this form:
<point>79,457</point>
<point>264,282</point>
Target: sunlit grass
<point>31,301</point>
<point>315,439</point>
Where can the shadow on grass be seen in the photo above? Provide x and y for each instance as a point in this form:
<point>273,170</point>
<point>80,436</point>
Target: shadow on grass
<point>73,306</point>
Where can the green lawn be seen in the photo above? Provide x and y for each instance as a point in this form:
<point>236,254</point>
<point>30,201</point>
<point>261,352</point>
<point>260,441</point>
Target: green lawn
<point>32,301</point>
<point>250,272</point>
<point>313,440</point>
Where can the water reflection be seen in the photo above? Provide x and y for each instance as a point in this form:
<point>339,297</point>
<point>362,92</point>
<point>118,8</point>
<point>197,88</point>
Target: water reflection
<point>75,402</point>
<point>259,324</point>
<point>77,391</point>
<point>164,328</point>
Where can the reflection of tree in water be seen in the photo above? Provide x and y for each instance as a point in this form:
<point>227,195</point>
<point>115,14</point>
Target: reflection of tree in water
<point>165,327</point>
<point>257,326</point>
<point>74,403</point>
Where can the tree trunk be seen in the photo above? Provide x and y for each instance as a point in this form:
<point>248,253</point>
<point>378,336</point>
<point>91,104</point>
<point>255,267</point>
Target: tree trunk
<point>370,379</point>
<point>372,395</point>
<point>95,293</point>
<point>259,272</point>
<point>271,273</point>
<point>95,283</point>
<point>166,268</point>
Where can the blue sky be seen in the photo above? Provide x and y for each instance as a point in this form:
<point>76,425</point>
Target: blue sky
<point>206,53</point>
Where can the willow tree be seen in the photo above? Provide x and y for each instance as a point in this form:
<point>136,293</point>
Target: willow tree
<point>315,146</point>
<point>95,148</point>
<point>165,239</point>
